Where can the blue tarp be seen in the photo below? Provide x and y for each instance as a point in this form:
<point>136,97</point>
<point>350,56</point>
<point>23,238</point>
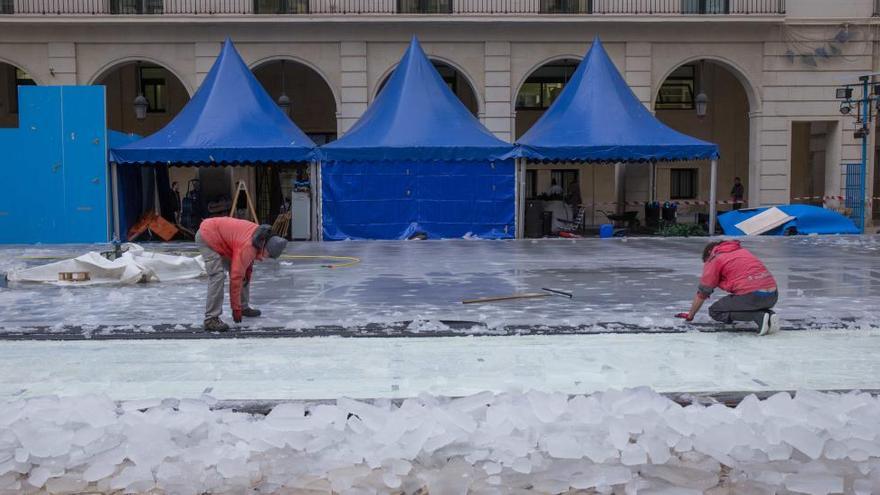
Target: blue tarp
<point>416,117</point>
<point>394,200</point>
<point>808,220</point>
<point>597,118</point>
<point>231,119</point>
<point>129,185</point>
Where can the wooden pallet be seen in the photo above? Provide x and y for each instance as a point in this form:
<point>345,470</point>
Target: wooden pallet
<point>74,276</point>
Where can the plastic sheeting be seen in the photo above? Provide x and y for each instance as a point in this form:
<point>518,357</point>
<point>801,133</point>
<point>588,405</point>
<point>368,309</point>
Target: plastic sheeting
<point>366,200</point>
<point>230,119</point>
<point>807,220</point>
<point>134,266</point>
<point>416,117</point>
<point>597,118</point>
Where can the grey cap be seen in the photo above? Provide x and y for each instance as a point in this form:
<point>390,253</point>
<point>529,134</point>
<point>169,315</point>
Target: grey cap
<point>275,246</point>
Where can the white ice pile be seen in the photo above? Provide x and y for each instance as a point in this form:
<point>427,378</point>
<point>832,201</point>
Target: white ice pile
<point>620,442</point>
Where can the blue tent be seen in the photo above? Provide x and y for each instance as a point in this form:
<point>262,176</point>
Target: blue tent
<point>230,120</point>
<point>597,118</point>
<point>417,161</point>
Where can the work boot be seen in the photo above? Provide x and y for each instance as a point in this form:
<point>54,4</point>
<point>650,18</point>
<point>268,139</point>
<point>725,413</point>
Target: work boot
<point>215,325</point>
<point>251,312</point>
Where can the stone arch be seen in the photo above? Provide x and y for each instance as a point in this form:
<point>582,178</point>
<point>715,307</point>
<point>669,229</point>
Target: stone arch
<point>105,69</point>
<point>752,92</point>
<point>289,58</point>
<point>478,97</point>
<point>23,67</point>
<point>525,119</point>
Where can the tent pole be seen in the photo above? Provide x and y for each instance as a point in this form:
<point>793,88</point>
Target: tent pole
<point>520,197</point>
<point>114,197</point>
<point>713,179</point>
<point>319,202</point>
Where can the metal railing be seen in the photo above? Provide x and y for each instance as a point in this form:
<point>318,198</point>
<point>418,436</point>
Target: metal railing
<point>388,7</point>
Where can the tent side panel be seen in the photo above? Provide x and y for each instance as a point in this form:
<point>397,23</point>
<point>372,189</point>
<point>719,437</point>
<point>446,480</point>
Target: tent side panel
<point>394,200</point>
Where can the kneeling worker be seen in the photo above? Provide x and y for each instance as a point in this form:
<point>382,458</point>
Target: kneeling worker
<point>230,244</point>
<point>733,269</point>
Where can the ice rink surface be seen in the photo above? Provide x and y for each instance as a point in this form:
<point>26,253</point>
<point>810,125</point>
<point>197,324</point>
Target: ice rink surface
<point>626,284</point>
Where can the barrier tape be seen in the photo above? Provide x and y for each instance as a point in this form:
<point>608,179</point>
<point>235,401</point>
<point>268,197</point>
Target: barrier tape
<point>706,203</point>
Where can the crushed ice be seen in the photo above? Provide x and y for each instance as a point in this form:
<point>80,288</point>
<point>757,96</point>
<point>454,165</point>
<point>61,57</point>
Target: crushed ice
<point>620,442</point>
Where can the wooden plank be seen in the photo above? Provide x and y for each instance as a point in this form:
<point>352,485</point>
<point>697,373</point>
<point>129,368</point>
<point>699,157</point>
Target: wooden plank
<point>505,298</point>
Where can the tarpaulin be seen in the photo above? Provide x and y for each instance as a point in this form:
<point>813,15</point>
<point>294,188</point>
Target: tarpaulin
<point>416,117</point>
<point>597,118</point>
<point>394,200</point>
<point>134,266</point>
<point>231,119</point>
<point>807,220</point>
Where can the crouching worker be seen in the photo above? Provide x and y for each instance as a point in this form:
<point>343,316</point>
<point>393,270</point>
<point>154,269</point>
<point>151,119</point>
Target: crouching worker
<point>751,287</point>
<point>232,245</point>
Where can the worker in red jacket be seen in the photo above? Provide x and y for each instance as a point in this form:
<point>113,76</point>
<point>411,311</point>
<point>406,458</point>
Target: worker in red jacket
<point>751,287</point>
<point>232,245</point>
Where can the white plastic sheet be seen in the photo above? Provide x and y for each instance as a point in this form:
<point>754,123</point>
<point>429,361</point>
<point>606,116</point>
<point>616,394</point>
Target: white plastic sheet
<point>134,266</point>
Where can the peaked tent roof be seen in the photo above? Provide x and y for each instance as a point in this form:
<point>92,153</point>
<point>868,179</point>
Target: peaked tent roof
<point>416,117</point>
<point>597,118</point>
<point>230,119</point>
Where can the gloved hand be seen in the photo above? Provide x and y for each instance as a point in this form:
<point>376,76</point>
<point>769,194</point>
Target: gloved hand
<point>236,315</point>
<point>685,316</point>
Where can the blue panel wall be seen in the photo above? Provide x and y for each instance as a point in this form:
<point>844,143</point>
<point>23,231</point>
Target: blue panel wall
<point>382,200</point>
<point>54,167</point>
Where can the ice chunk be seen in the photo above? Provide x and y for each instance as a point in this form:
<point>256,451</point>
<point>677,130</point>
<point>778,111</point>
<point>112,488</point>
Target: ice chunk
<point>38,476</point>
<point>682,476</point>
<point>814,483</point>
<point>804,440</point>
<point>562,446</point>
<point>633,455</point>
<point>99,471</point>
<point>47,441</point>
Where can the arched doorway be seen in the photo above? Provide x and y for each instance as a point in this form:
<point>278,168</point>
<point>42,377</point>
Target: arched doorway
<point>456,81</point>
<point>11,77</point>
<point>704,99</point>
<point>165,94</point>
<point>559,187</point>
<point>312,106</point>
<point>308,100</point>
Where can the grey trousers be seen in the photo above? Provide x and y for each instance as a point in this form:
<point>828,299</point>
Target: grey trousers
<point>217,266</point>
<point>747,307</point>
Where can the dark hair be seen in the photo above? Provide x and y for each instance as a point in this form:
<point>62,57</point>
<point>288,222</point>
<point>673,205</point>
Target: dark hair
<point>737,178</point>
<point>707,251</point>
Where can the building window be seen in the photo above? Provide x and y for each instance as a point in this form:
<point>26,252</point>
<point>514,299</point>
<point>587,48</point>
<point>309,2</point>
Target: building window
<point>564,179</point>
<point>677,92</point>
<point>136,7</point>
<point>544,85</point>
<point>705,6</point>
<point>566,6</point>
<point>424,6</point>
<point>683,183</point>
<point>7,7</point>
<point>281,6</point>
<point>531,184</point>
<point>18,78</point>
<point>154,89</point>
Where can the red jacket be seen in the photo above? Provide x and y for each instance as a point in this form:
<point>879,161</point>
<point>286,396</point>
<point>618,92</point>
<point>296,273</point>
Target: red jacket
<point>233,239</point>
<point>733,269</point>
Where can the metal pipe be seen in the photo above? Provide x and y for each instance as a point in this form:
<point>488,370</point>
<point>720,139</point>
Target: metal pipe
<point>713,186</point>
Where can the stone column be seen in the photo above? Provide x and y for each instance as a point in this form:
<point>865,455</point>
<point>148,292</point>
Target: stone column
<point>497,114</point>
<point>354,94</point>
<point>635,179</point>
<point>62,64</point>
<point>755,119</point>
